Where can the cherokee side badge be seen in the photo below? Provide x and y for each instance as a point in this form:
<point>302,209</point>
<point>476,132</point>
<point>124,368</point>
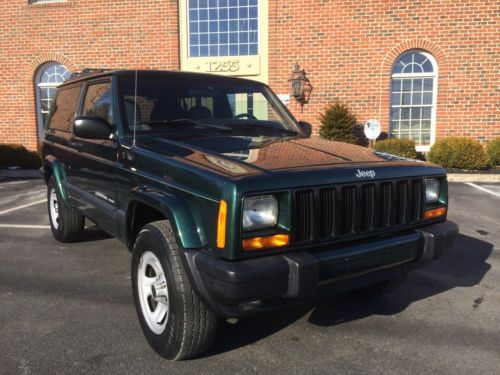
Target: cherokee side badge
<point>369,173</point>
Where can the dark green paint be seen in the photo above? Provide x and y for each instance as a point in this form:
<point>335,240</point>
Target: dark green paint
<point>185,180</point>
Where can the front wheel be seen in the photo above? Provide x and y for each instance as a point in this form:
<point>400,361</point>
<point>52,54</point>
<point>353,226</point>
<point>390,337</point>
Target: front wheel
<point>174,320</point>
<point>66,222</point>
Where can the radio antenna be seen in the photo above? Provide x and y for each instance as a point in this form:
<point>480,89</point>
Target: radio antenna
<point>137,37</point>
<point>135,106</point>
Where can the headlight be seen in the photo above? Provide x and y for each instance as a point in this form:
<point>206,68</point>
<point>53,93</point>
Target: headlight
<point>260,212</point>
<point>432,187</point>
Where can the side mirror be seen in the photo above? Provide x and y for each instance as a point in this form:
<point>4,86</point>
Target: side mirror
<point>92,128</point>
<point>306,128</point>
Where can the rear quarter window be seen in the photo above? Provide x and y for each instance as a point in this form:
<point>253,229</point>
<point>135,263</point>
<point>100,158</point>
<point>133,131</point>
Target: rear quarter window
<point>64,112</point>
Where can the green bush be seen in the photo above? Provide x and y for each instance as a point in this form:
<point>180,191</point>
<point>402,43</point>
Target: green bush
<point>398,147</point>
<point>494,152</point>
<point>337,123</point>
<point>461,153</point>
<point>12,155</point>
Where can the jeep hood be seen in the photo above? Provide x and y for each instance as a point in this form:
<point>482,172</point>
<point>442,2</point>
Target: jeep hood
<point>238,156</point>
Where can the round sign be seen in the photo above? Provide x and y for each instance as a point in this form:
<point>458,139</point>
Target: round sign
<point>372,129</point>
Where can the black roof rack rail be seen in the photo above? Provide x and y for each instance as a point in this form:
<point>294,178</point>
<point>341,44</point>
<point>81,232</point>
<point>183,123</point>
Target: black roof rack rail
<point>87,71</point>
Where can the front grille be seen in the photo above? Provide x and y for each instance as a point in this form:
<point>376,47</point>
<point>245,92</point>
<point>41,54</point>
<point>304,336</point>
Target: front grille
<point>329,213</point>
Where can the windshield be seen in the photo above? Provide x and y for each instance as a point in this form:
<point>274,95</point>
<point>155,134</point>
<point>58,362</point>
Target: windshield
<point>203,107</point>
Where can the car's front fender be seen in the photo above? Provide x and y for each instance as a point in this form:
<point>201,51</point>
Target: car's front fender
<point>188,231</point>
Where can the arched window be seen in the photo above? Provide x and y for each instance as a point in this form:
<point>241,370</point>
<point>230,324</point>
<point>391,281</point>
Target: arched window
<point>48,77</point>
<point>413,98</point>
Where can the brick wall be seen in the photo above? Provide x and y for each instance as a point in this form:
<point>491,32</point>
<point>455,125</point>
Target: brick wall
<point>78,34</point>
<point>348,47</point>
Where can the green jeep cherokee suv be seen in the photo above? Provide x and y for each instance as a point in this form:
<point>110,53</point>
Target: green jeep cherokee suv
<point>227,203</point>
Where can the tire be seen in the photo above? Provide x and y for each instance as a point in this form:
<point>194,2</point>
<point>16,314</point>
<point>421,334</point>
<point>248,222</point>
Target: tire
<point>66,222</point>
<point>185,327</point>
<point>380,289</point>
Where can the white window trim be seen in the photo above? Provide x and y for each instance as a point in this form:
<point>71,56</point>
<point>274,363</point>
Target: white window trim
<point>38,85</point>
<point>435,76</point>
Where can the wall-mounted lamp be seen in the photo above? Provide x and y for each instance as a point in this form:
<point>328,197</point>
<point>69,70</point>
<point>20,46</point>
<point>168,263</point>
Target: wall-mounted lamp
<point>301,86</point>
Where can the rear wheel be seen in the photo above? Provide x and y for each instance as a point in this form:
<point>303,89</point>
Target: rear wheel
<point>174,320</point>
<point>66,222</point>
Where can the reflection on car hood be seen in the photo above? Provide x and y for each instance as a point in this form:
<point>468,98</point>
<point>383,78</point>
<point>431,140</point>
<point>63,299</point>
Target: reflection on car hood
<point>245,155</point>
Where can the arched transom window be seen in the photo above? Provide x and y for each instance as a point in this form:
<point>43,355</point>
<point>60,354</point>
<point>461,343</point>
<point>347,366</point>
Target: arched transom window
<point>413,98</point>
<point>48,77</point>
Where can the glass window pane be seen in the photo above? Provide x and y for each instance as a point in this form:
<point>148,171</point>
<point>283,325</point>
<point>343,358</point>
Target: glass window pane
<point>405,113</point>
<point>406,99</point>
<point>407,85</point>
<point>426,138</point>
<point>405,125</point>
<point>417,98</point>
<point>428,84</point>
<point>406,58</point>
<point>427,67</point>
<point>253,12</point>
<point>253,49</point>
<point>417,84</point>
<point>415,124</point>
<point>397,68</point>
<point>396,85</point>
<point>395,113</point>
<point>427,98</point>
<point>204,51</point>
<point>426,125</point>
<point>64,112</point>
<point>243,49</point>
<point>98,101</point>
<point>426,113</point>
<point>396,99</point>
<point>415,113</point>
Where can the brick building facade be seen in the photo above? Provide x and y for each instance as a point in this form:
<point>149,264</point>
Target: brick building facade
<point>427,69</point>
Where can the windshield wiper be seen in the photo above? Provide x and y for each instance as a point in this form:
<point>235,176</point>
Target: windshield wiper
<point>261,128</point>
<point>186,121</point>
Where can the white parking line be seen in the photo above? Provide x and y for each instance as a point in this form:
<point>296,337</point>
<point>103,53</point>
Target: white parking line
<point>23,206</point>
<point>24,226</point>
<point>483,189</point>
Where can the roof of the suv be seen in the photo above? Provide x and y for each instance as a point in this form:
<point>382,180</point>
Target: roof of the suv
<point>88,74</point>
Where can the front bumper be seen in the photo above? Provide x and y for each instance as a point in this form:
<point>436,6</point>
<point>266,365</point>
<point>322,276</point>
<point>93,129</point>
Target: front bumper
<point>236,288</point>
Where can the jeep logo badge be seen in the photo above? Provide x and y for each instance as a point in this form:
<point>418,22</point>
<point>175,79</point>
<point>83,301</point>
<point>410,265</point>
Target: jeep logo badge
<point>370,173</point>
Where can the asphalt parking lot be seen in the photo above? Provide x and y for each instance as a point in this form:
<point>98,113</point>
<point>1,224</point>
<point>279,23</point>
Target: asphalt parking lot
<point>67,308</point>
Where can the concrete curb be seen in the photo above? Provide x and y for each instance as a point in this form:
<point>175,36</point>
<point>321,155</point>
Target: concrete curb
<point>20,173</point>
<point>479,177</point>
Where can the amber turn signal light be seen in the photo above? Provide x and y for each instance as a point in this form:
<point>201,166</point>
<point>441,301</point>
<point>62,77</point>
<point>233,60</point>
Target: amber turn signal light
<point>221,224</point>
<point>435,212</point>
<point>267,242</point>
